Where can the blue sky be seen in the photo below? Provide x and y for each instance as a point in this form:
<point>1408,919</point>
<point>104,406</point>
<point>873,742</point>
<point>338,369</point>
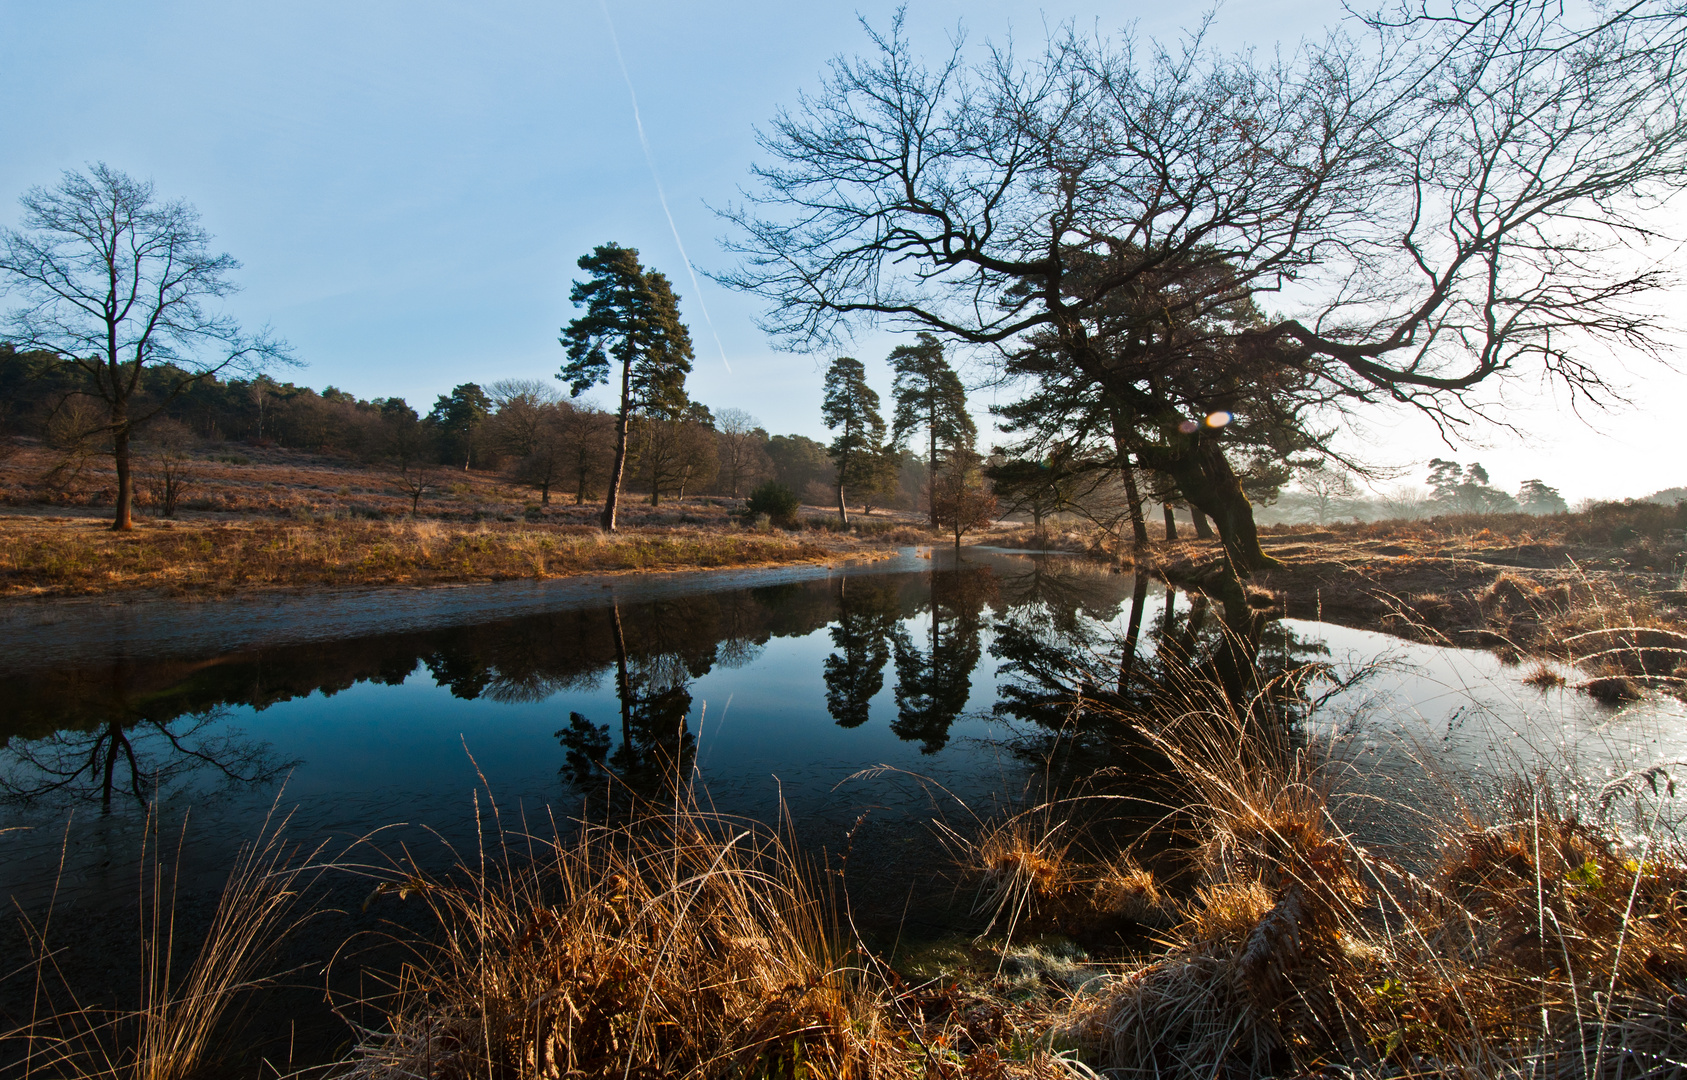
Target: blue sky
<point>409,184</point>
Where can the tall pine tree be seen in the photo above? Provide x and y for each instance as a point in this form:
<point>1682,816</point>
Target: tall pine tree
<point>632,317</point>
<point>859,450</point>
<point>929,395</point>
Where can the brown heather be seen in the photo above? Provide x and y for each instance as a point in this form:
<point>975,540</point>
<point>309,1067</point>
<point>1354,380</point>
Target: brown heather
<point>68,557</point>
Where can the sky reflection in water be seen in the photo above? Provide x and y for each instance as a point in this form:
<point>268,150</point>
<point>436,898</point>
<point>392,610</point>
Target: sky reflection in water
<point>782,689</point>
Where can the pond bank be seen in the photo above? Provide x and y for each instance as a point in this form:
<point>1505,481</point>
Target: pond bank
<point>46,557</point>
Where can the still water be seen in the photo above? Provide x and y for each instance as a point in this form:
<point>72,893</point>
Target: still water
<point>863,700</point>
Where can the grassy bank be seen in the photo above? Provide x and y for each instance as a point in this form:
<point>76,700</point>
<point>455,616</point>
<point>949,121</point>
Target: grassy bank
<point>72,557</point>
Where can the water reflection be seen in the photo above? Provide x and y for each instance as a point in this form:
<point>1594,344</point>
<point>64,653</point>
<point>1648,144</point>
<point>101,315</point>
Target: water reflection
<point>1066,663</point>
<point>1044,638</point>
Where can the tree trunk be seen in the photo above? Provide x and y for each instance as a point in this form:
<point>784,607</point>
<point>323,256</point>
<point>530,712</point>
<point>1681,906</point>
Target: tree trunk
<point>1139,527</point>
<point>1122,447</point>
<point>843,511</point>
<point>545,493</point>
<point>123,520</point>
<point>1211,487</point>
<point>621,419</point>
<point>1203,531</point>
<point>623,686</point>
<point>1171,521</point>
<point>931,455</point>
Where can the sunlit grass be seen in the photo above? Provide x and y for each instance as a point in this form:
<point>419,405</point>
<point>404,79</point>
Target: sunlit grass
<point>72,557</point>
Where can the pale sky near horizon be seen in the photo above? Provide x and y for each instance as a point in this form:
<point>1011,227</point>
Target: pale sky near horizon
<point>410,184</point>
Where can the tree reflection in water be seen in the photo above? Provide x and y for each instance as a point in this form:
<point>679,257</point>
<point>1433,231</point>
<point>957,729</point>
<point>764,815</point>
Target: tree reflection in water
<point>655,704</point>
<point>1062,667</point>
<point>933,685</point>
<point>1065,633</point>
<point>868,616</point>
<point>139,744</point>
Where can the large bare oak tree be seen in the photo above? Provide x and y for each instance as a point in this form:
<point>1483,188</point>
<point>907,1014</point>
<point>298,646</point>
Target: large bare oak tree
<point>1415,207</point>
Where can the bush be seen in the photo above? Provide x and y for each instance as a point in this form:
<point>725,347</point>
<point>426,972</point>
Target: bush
<point>775,500</point>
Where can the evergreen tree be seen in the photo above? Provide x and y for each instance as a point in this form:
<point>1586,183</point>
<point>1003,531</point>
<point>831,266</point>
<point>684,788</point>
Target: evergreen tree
<point>929,395</point>
<point>632,316</point>
<point>459,416</point>
<point>859,450</point>
<point>1534,497</point>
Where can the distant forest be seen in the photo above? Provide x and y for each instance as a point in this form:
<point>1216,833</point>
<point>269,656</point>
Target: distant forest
<point>527,429</point>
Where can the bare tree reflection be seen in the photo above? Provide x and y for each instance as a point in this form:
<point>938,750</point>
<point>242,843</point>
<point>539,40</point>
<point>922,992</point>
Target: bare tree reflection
<point>137,757</point>
<point>1058,667</point>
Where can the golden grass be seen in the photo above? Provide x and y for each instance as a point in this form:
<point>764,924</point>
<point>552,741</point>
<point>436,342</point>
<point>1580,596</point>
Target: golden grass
<point>1533,934</point>
<point>179,1030</point>
<point>63,557</point>
<point>680,944</point>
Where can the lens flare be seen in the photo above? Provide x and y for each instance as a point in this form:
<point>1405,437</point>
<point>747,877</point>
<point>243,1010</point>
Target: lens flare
<point>1218,419</point>
<point>1189,427</point>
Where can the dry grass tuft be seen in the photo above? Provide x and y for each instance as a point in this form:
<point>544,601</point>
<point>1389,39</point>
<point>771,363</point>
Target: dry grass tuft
<point>1544,677</point>
<point>680,945</point>
<point>1546,935</point>
<point>181,1029</point>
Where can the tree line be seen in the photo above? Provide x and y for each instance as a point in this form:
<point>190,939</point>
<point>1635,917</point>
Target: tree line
<point>526,429</point>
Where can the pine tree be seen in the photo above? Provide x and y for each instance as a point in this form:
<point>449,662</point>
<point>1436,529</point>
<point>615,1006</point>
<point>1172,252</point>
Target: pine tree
<point>632,316</point>
<point>459,415</point>
<point>929,395</point>
<point>859,449</point>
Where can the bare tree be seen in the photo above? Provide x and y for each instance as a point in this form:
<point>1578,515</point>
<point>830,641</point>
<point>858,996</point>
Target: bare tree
<point>742,459</point>
<point>411,447</point>
<point>1437,201</point>
<point>520,416</point>
<point>1328,485</point>
<point>168,452</point>
<point>118,283</point>
<point>588,448</point>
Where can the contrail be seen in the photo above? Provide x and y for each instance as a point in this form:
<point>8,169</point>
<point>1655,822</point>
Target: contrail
<point>650,159</point>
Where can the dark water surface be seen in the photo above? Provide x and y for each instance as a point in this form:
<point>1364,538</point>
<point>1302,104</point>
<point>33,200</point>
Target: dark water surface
<point>385,712</point>
<point>366,712</point>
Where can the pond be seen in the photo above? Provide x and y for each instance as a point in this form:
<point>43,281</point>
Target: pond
<point>859,702</point>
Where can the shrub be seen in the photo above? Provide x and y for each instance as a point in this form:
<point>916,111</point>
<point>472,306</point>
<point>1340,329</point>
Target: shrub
<point>775,500</point>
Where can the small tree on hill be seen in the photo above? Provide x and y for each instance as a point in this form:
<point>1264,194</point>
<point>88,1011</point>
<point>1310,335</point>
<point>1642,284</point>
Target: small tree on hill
<point>168,452</point>
<point>1327,485</point>
<point>411,447</point>
<point>632,316</point>
<point>962,500</point>
<point>741,454</point>
<point>458,418</point>
<point>858,451</point>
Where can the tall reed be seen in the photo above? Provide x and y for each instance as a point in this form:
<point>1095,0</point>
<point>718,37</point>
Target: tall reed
<point>181,1028</point>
